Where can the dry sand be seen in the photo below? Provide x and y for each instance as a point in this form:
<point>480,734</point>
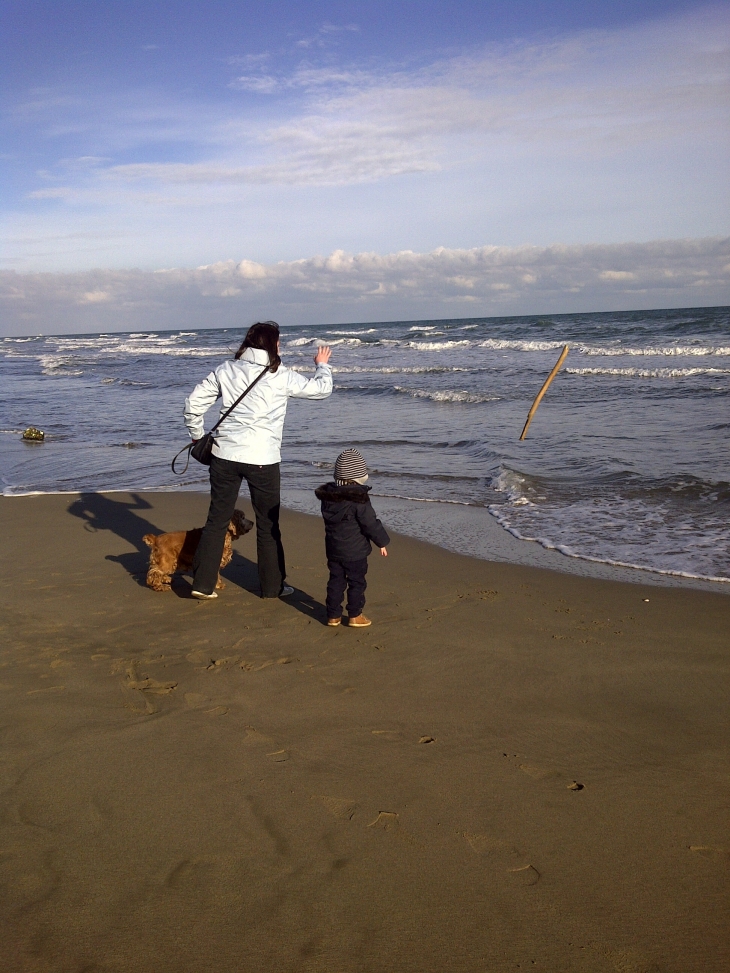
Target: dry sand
<point>513,769</point>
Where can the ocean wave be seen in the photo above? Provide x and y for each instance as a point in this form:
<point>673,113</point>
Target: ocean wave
<point>351,332</point>
<point>311,342</point>
<point>437,345</point>
<point>398,370</point>
<point>447,395</point>
<point>509,344</point>
<point>669,525</point>
<point>649,372</point>
<point>497,511</point>
<point>608,351</point>
<point>127,382</point>
<point>60,366</point>
<point>657,351</point>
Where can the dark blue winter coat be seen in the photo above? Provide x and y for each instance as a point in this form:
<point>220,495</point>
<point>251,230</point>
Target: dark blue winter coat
<point>350,523</point>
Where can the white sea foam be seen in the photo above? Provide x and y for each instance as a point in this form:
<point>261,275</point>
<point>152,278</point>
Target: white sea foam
<point>352,332</point>
<point>649,372</point>
<point>399,370</point>
<point>61,366</point>
<point>498,512</point>
<point>447,395</point>
<point>659,351</point>
<point>622,531</point>
<point>304,342</point>
<point>437,345</point>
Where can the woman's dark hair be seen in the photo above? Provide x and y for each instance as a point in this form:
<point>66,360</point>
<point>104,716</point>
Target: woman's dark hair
<point>263,335</point>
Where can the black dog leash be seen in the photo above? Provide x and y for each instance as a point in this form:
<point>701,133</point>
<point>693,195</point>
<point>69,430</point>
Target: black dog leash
<point>205,443</point>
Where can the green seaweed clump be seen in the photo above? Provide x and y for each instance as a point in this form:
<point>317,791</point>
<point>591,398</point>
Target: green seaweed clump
<point>34,435</point>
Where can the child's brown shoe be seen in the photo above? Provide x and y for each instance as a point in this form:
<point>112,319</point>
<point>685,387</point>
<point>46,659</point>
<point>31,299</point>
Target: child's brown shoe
<point>359,621</point>
<point>332,622</point>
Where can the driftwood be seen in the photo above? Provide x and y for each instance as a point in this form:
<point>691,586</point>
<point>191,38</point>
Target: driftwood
<point>543,390</point>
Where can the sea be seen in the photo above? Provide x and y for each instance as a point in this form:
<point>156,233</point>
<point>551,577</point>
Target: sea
<point>626,461</point>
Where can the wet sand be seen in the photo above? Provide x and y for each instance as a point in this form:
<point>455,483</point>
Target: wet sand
<point>513,769</point>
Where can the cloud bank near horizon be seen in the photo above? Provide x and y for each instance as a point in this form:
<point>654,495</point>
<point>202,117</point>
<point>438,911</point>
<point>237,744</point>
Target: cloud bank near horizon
<point>340,288</point>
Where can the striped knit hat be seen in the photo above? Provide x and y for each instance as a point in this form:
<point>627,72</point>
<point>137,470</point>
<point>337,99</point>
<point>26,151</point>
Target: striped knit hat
<point>350,466</point>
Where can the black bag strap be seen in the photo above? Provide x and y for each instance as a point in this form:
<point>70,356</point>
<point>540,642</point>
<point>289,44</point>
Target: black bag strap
<point>213,428</point>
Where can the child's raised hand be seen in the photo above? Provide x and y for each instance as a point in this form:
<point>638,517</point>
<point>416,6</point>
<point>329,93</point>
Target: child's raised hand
<point>324,353</point>
<point>384,551</point>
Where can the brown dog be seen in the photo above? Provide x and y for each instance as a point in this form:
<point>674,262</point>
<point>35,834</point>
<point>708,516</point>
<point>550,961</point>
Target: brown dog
<point>174,552</point>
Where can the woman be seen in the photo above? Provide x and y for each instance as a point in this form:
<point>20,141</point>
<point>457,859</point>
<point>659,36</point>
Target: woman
<point>248,447</point>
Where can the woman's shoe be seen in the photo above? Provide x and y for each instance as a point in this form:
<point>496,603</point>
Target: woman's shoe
<point>286,591</point>
<point>332,622</point>
<point>201,596</point>
<point>359,621</point>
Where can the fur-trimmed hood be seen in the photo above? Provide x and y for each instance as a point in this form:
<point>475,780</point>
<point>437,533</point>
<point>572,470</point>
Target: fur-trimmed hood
<point>333,493</point>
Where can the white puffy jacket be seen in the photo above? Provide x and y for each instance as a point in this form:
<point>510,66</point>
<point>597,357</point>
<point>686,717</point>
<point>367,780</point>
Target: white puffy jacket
<point>252,432</point>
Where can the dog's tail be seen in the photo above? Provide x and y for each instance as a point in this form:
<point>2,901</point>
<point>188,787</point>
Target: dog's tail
<point>150,539</point>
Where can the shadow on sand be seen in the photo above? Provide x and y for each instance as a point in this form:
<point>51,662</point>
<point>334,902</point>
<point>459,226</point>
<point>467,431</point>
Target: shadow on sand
<point>100,512</point>
<point>120,516</point>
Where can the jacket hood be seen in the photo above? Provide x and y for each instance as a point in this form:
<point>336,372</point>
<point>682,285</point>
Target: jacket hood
<point>334,493</point>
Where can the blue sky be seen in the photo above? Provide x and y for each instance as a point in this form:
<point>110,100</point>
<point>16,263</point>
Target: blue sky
<point>181,134</point>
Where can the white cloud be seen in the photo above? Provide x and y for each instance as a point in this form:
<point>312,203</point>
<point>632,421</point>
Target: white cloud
<point>594,93</point>
<point>262,84</point>
<point>371,286</point>
<point>605,135</point>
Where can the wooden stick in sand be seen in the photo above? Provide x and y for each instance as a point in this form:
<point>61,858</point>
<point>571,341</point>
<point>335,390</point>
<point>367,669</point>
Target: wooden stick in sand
<point>543,390</point>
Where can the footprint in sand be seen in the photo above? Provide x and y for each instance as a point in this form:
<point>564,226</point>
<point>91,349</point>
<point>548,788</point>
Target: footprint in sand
<point>196,700</point>
<point>505,853</point>
<point>525,875</point>
<point>254,737</point>
<point>486,844</point>
<point>257,667</point>
<point>151,686</point>
<point>710,851</point>
<point>386,821</point>
<point>340,807</point>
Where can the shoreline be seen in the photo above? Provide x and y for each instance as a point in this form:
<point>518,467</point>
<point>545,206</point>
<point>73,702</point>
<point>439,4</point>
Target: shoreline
<point>463,528</point>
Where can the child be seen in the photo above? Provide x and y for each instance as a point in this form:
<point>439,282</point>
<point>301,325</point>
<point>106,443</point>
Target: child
<point>350,525</point>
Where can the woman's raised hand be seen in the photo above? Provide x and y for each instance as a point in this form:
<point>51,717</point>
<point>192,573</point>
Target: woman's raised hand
<point>324,353</point>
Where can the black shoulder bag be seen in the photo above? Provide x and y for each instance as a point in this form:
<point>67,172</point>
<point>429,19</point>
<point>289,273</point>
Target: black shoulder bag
<point>202,449</point>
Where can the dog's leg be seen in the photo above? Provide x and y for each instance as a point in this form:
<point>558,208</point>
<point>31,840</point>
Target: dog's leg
<point>219,583</point>
<point>157,580</point>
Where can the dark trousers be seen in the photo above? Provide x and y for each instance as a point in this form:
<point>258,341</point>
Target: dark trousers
<point>350,575</point>
<point>264,486</point>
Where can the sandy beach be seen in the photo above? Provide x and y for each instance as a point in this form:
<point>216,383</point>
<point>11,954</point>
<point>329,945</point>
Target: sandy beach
<point>513,769</point>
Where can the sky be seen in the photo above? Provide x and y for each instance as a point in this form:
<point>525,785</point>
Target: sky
<point>195,164</point>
